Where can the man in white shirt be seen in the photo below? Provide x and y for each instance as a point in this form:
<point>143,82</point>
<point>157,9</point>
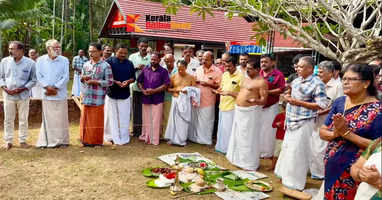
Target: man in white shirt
<point>334,90</point>
<point>140,59</point>
<point>17,77</point>
<point>192,64</point>
<point>52,71</point>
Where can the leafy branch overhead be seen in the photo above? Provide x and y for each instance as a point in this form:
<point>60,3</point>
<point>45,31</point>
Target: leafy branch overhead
<point>347,31</point>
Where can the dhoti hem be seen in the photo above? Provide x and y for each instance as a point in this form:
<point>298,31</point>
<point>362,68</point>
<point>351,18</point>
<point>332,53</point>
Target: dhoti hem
<point>293,163</point>
<point>224,130</point>
<point>268,133</point>
<point>117,120</point>
<point>202,125</point>
<point>92,125</point>
<point>179,120</point>
<point>54,130</point>
<point>244,145</point>
<point>152,123</point>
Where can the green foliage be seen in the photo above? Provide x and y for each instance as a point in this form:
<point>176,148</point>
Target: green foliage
<point>31,21</point>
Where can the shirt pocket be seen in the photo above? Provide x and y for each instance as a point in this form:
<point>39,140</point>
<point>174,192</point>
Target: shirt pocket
<point>24,75</point>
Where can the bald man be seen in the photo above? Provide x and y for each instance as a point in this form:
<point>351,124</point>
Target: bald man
<point>208,78</point>
<point>170,65</point>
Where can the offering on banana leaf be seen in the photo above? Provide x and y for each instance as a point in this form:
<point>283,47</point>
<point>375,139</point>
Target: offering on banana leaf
<point>196,163</point>
<point>259,185</point>
<point>155,171</point>
<point>163,181</point>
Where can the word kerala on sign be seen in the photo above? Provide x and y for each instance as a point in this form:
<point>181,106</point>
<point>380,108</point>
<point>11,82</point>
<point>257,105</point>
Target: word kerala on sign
<point>162,22</point>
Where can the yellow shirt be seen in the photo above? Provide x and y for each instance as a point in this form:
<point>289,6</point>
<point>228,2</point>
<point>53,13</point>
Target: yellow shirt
<point>230,83</point>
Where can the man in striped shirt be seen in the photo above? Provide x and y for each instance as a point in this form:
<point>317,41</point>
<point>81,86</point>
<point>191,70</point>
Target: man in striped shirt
<point>307,97</point>
<point>96,77</point>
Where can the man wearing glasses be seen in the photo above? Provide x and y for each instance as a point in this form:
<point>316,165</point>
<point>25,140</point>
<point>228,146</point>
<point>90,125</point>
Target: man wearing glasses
<point>52,71</point>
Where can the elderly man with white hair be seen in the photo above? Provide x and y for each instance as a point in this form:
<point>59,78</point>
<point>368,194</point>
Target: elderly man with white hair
<point>52,71</point>
<point>333,90</point>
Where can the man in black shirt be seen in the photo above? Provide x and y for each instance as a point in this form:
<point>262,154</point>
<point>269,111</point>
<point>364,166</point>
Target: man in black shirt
<point>117,102</point>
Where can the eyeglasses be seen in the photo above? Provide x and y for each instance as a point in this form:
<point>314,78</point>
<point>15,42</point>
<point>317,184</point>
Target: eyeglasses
<point>351,79</point>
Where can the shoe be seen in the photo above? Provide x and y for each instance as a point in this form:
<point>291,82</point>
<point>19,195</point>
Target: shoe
<point>8,146</point>
<point>24,145</point>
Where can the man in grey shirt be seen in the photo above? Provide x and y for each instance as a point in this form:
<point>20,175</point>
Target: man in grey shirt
<point>17,77</point>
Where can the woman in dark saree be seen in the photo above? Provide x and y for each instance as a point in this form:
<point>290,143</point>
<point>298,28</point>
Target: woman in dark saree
<point>353,122</point>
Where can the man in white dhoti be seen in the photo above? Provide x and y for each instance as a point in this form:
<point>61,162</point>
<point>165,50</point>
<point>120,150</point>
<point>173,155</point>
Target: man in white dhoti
<point>276,86</point>
<point>318,146</point>
<point>244,144</point>
<point>181,105</point>
<point>117,101</point>
<point>208,79</point>
<point>17,77</point>
<point>78,62</point>
<point>52,71</point>
<point>307,96</point>
<point>228,90</point>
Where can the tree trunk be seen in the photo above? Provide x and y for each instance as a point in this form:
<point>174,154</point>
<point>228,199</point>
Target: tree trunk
<point>74,27</point>
<point>66,39</point>
<point>54,18</point>
<point>62,23</point>
<point>91,20</point>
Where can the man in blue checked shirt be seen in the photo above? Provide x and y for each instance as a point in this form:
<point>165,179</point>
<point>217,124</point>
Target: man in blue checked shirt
<point>17,77</point>
<point>96,77</point>
<point>307,96</point>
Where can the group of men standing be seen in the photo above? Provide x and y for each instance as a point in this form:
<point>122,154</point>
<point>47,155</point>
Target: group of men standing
<point>174,100</point>
<point>18,75</point>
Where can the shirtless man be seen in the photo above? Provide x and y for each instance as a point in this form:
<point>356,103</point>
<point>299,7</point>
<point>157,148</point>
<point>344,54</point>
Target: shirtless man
<point>180,112</point>
<point>244,146</point>
<point>254,90</point>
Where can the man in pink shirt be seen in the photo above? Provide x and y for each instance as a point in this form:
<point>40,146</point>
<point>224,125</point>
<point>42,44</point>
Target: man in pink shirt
<point>208,78</point>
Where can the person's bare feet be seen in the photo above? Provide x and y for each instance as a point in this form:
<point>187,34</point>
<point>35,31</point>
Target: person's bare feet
<point>8,146</point>
<point>295,193</point>
<point>24,145</point>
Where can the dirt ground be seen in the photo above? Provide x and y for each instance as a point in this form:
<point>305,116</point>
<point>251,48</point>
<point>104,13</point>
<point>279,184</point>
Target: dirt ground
<point>95,173</point>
